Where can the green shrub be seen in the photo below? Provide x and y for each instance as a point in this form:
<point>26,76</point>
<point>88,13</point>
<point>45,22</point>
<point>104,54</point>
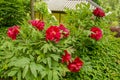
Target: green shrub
<point>31,57</point>
<point>101,58</point>
<point>11,13</point>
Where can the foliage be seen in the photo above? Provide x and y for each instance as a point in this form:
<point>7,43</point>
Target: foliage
<point>12,12</point>
<point>31,57</point>
<point>97,1</point>
<point>101,58</point>
<point>113,8</point>
<point>42,8</point>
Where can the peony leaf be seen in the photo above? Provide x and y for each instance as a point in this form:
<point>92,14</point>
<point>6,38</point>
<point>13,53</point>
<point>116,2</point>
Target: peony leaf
<point>43,74</point>
<point>12,73</point>
<point>50,75</point>
<point>55,75</point>
<point>33,69</point>
<point>20,62</point>
<point>19,75</point>
<point>49,62</point>
<point>25,71</point>
<point>55,57</point>
<point>46,48</point>
<point>39,68</point>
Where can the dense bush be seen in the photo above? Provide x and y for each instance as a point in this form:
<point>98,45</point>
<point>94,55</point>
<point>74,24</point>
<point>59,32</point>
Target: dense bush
<point>112,8</point>
<point>12,12</point>
<point>101,58</point>
<point>34,51</point>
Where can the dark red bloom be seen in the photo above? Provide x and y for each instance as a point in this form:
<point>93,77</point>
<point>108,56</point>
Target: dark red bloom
<point>64,30</point>
<point>66,57</point>
<point>78,62</point>
<point>53,34</point>
<point>13,32</point>
<point>99,12</point>
<point>38,24</point>
<point>76,65</point>
<point>96,33</point>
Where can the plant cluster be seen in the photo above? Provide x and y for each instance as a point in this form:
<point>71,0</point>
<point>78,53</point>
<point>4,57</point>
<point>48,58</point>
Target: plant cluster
<point>101,51</point>
<point>36,55</point>
<point>113,10</point>
<point>81,48</point>
<point>12,12</point>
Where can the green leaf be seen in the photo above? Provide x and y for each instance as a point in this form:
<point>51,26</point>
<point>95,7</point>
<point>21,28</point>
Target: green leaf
<point>19,75</point>
<point>50,75</point>
<point>55,75</point>
<point>39,68</point>
<point>29,76</point>
<point>38,58</point>
<point>25,71</point>
<point>44,61</point>
<point>20,62</point>
<point>49,62</point>
<point>33,69</point>
<point>31,57</point>
<point>12,73</point>
<point>46,48</point>
<point>43,74</point>
<point>55,57</point>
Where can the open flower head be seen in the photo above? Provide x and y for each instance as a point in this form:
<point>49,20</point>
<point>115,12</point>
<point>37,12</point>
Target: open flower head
<point>78,62</point>
<point>53,34</point>
<point>66,57</point>
<point>96,33</point>
<point>65,32</point>
<point>13,32</point>
<point>98,12</point>
<point>76,65</point>
<point>37,24</point>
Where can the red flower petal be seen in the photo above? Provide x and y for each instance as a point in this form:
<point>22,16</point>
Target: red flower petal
<point>76,65</point>
<point>78,62</point>
<point>38,24</point>
<point>96,33</point>
<point>73,67</point>
<point>13,32</point>
<point>99,12</point>
<point>53,34</point>
<point>64,30</point>
<point>66,57</point>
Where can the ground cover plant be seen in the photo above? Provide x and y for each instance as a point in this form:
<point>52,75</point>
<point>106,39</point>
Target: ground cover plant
<point>83,48</point>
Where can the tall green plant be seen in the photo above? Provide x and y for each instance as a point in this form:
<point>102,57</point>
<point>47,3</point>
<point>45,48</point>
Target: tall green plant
<point>101,57</point>
<point>112,7</point>
<point>12,12</point>
<point>33,55</point>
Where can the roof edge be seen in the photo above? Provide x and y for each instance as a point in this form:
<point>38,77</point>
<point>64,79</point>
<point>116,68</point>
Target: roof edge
<point>94,4</point>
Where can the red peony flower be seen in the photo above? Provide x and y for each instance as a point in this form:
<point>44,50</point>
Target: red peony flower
<point>64,30</point>
<point>13,32</point>
<point>53,34</point>
<point>73,67</point>
<point>78,62</point>
<point>76,65</point>
<point>66,57</point>
<point>99,12</point>
<point>38,24</point>
<point>96,33</point>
